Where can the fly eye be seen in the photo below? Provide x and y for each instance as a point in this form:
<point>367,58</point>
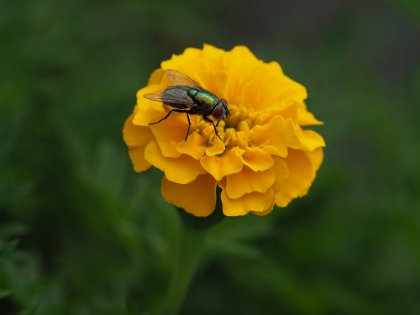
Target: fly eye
<point>218,112</point>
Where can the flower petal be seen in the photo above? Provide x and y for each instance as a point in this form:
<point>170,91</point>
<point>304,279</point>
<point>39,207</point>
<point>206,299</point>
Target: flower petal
<point>212,51</point>
<point>271,135</point>
<point>312,140</point>
<point>301,176</point>
<point>136,135</point>
<point>275,67</point>
<point>229,162</point>
<point>263,88</point>
<point>250,202</point>
<point>288,110</point>
<point>241,52</point>
<point>146,110</point>
<point>265,212</point>
<point>316,158</point>
<point>190,60</point>
<point>248,181</point>
<point>238,75</point>
<point>156,77</point>
<point>256,159</point>
<point>217,148</point>
<point>282,173</point>
<point>183,169</point>
<point>213,80</point>
<point>195,146</point>
<point>136,153</point>
<point>293,90</point>
<point>171,132</point>
<point>197,197</point>
<point>306,118</point>
<point>137,138</point>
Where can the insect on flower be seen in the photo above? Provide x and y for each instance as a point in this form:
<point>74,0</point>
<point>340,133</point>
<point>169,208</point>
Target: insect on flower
<point>187,96</point>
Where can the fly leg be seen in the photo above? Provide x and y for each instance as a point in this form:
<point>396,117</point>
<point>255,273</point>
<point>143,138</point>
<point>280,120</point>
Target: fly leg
<point>176,111</point>
<point>214,126</point>
<point>167,115</point>
<point>189,125</point>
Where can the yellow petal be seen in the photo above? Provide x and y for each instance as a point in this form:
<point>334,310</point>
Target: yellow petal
<point>293,135</point>
<point>248,181</point>
<point>242,52</point>
<point>238,75</point>
<point>137,138</point>
<point>212,80</point>
<point>156,77</point>
<point>189,62</point>
<point>249,202</point>
<point>213,58</point>
<point>265,212</point>
<point>146,110</point>
<point>289,111</point>
<point>136,153</point>
<point>275,67</point>
<point>306,118</point>
<point>183,169</point>
<point>312,140</point>
<point>265,88</point>
<point>316,158</point>
<point>210,50</point>
<point>282,173</point>
<point>293,90</point>
<point>271,135</point>
<point>192,53</point>
<point>136,135</point>
<point>197,197</point>
<point>229,162</point>
<point>256,159</point>
<point>217,148</point>
<point>301,176</point>
<point>171,132</point>
<point>195,146</point>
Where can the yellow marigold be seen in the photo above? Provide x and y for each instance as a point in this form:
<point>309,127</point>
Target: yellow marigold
<point>265,157</point>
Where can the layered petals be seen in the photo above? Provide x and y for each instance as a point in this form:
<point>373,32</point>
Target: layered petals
<point>261,155</point>
<point>256,202</point>
<point>137,138</point>
<point>248,181</point>
<point>197,197</point>
<point>301,176</point>
<point>230,162</point>
<point>181,170</point>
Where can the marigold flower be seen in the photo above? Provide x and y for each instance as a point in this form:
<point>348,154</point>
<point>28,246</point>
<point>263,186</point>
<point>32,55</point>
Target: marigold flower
<point>265,156</point>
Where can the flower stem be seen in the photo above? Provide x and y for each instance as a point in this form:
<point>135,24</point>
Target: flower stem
<point>190,249</point>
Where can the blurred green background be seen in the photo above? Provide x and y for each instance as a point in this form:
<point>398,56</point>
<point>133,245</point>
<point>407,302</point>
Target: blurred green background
<point>81,233</point>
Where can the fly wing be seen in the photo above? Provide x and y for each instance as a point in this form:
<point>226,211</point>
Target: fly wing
<point>155,96</point>
<point>178,78</point>
<point>175,96</point>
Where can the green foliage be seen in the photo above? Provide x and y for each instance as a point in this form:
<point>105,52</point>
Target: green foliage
<point>82,233</point>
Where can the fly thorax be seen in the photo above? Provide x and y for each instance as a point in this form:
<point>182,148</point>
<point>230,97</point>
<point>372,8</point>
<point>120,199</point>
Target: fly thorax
<point>203,98</point>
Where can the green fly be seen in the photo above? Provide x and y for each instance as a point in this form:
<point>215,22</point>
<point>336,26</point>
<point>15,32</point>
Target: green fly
<point>187,96</point>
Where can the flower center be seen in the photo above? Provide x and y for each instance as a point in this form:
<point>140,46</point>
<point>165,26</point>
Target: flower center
<point>237,126</point>
<point>239,115</point>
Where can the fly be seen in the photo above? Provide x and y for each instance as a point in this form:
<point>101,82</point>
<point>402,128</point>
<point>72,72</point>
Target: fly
<point>187,96</point>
